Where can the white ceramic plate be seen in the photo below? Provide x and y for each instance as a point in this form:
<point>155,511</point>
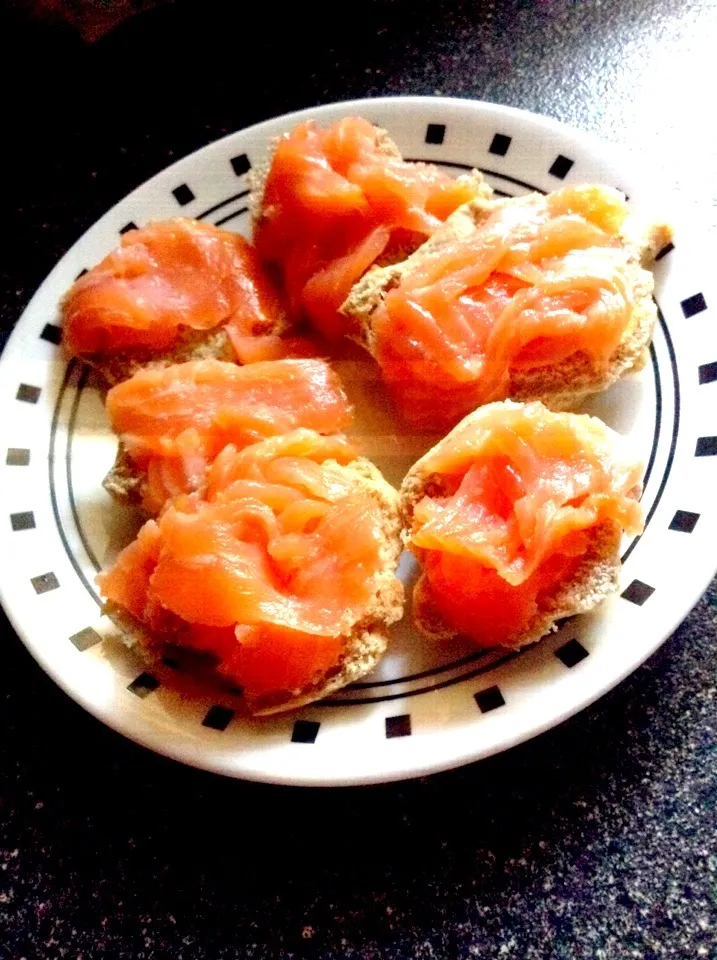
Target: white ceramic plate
<point>427,707</point>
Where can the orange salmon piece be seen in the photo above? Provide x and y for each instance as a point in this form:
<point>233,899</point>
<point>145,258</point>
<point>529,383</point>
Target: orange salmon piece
<point>173,421</point>
<point>333,200</point>
<point>268,573</point>
<point>270,346</point>
<point>167,276</point>
<point>126,583</point>
<point>543,279</point>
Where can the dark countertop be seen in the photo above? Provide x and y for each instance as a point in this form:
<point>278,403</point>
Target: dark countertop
<point>596,840</point>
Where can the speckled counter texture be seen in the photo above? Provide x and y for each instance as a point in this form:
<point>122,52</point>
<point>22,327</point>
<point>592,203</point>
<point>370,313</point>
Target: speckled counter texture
<point>597,840</point>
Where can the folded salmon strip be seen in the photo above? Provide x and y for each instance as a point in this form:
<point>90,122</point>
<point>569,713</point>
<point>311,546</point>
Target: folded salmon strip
<point>253,348</point>
<point>334,200</point>
<point>522,492</point>
<point>541,280</point>
<point>163,278</point>
<point>173,421</point>
<point>268,572</point>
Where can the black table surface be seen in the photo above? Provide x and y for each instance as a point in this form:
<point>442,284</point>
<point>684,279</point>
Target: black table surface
<point>595,840</point>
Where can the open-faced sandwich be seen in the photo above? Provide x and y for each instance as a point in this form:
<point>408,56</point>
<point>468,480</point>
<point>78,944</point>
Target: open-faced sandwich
<point>534,298</point>
<point>516,517</point>
<point>172,291</point>
<point>282,573</point>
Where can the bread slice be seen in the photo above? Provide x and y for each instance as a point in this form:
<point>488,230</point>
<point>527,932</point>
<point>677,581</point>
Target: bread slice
<point>403,243</point>
<point>190,345</point>
<point>595,579</point>
<point>559,387</point>
<point>364,643</point>
<point>125,480</point>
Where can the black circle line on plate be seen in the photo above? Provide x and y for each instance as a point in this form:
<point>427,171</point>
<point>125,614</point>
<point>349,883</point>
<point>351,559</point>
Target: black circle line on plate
<point>81,383</point>
<point>231,216</point>
<point>454,665</point>
<point>222,203</point>
<point>445,668</point>
<point>358,701</point>
<point>485,170</point>
<point>53,495</point>
<point>658,417</point>
<point>675,431</point>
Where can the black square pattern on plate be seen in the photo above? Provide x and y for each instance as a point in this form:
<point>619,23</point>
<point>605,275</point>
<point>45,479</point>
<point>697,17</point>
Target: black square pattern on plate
<point>218,718</point>
<point>708,372</point>
<point>668,248</point>
<point>693,305</point>
<point>17,457</point>
<point>305,731</point>
<point>638,592</point>
<point>706,447</point>
<point>27,393</point>
<point>129,226</point>
<point>561,167</point>
<point>571,653</point>
<point>435,132</point>
<point>684,521</point>
<point>241,164</point>
<point>183,194</point>
<point>499,144</point>
<point>51,333</point>
<point>45,582</point>
<point>489,699</point>
<point>143,685</point>
<point>85,638</point>
<point>399,726</point>
<point>22,521</point>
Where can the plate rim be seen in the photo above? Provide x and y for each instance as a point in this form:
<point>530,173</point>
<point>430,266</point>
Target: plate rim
<point>213,762</point>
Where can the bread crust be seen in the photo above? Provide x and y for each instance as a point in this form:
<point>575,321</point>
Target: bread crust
<point>190,345</point>
<point>561,386</point>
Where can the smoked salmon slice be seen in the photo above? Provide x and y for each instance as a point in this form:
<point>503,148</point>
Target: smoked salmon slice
<point>518,496</point>
<point>540,281</point>
<point>164,278</point>
<point>269,572</point>
<point>173,421</point>
<point>334,201</point>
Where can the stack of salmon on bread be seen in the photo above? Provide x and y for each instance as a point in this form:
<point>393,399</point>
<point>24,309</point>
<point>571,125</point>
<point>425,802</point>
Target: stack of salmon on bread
<point>271,545</point>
